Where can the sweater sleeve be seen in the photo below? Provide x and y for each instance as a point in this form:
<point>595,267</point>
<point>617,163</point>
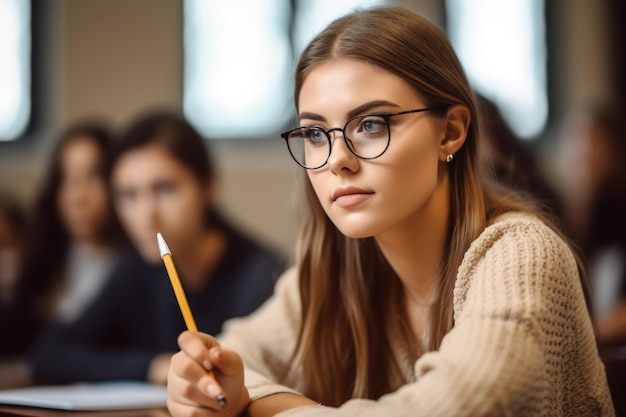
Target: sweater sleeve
<point>266,339</point>
<point>520,321</point>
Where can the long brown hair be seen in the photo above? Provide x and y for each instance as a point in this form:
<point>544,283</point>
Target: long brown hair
<point>351,297</point>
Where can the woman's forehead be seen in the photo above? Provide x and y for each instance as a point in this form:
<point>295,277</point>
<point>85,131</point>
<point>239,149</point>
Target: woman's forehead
<point>348,83</point>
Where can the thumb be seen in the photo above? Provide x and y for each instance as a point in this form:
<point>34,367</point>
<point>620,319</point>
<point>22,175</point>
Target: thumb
<point>226,361</point>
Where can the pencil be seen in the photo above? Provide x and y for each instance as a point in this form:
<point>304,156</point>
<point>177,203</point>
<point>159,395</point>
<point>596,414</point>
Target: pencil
<point>166,255</point>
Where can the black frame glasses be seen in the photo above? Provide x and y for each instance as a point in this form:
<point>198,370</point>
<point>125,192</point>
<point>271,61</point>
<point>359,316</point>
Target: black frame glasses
<point>320,138</point>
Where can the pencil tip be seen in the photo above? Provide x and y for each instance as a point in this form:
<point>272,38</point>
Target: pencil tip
<point>163,248</point>
<point>222,400</point>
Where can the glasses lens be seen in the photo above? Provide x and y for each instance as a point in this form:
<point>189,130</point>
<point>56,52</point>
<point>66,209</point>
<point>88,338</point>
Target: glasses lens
<point>309,146</point>
<point>368,136</point>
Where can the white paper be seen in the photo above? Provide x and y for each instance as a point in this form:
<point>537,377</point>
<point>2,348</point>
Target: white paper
<point>85,397</point>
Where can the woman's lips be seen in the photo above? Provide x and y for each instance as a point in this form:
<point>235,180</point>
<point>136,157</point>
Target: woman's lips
<point>350,196</point>
<point>348,200</point>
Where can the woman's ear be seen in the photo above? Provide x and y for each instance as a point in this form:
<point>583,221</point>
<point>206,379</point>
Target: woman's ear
<point>456,125</point>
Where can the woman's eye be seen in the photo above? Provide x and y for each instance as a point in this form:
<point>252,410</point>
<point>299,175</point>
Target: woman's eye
<point>317,135</point>
<point>373,125</point>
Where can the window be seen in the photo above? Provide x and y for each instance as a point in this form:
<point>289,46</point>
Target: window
<point>15,71</point>
<point>502,45</point>
<point>238,67</point>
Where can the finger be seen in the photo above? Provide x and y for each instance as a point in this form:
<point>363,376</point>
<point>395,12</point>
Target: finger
<point>210,387</point>
<point>185,392</point>
<point>228,377</point>
<point>177,409</point>
<point>190,379</point>
<point>226,361</point>
<point>186,367</point>
<point>196,346</point>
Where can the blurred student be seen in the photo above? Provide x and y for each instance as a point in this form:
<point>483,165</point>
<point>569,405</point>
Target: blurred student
<point>163,181</point>
<point>12,227</point>
<point>71,239</point>
<point>511,161</point>
<point>594,173</point>
<point>595,196</point>
<point>13,371</point>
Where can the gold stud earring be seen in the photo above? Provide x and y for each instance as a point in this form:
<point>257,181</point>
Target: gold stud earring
<point>449,158</point>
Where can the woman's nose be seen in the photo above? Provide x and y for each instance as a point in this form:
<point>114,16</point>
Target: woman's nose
<point>146,206</point>
<point>341,157</point>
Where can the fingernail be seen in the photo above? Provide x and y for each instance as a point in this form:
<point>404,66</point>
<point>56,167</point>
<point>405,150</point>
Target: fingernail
<point>207,365</point>
<point>213,390</point>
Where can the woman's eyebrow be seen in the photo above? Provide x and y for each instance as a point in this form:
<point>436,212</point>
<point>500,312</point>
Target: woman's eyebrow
<point>362,109</point>
<point>366,107</point>
<point>311,116</point>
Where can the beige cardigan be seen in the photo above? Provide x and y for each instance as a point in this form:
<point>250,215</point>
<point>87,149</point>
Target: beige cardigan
<point>522,343</point>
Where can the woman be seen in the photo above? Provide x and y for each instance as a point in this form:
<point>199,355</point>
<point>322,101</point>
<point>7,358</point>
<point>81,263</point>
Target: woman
<point>13,373</point>
<point>512,161</point>
<point>12,224</point>
<point>70,246</point>
<point>596,203</point>
<point>73,234</point>
<point>163,182</point>
<point>418,289</point>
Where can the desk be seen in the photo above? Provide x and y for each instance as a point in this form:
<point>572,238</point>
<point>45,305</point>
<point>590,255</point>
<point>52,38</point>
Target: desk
<point>14,411</point>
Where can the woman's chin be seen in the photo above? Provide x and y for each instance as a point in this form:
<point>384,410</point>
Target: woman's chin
<point>150,255</point>
<point>356,232</point>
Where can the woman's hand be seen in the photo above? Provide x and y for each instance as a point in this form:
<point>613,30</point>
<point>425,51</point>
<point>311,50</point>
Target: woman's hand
<point>192,391</point>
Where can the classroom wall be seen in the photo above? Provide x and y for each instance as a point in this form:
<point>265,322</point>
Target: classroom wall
<point>114,58</point>
<point>581,62</point>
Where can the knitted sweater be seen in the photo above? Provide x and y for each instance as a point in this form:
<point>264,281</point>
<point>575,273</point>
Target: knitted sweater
<point>522,343</point>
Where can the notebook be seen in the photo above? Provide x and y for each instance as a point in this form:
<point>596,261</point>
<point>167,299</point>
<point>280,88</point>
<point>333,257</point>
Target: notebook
<point>121,395</point>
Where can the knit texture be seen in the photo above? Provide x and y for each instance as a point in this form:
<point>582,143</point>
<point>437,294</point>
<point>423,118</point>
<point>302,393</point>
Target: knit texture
<point>522,343</point>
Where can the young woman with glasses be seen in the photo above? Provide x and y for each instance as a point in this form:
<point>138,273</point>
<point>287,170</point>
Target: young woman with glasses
<point>419,288</point>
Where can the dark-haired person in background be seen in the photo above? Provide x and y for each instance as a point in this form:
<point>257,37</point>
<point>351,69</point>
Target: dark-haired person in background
<point>13,370</point>
<point>12,228</point>
<point>595,196</point>
<point>512,162</point>
<point>163,181</point>
<point>70,242</point>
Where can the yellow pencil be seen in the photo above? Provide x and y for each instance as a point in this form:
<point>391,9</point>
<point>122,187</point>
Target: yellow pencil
<point>166,255</point>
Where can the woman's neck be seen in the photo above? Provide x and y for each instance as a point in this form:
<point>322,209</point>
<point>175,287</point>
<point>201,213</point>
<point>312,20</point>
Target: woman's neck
<point>414,249</point>
<point>92,244</point>
<point>416,261</point>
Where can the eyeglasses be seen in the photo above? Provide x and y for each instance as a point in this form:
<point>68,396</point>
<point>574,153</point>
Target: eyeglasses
<point>367,136</point>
